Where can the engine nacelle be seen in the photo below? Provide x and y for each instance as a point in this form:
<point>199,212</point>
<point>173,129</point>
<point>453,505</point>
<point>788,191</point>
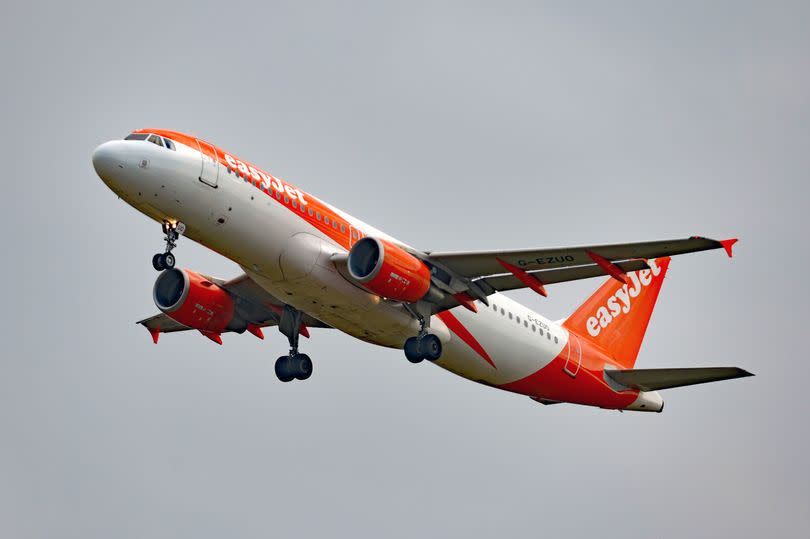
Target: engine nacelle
<point>388,270</point>
<point>196,302</point>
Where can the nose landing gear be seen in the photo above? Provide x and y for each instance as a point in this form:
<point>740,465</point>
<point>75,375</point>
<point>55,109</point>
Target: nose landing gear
<point>165,260</point>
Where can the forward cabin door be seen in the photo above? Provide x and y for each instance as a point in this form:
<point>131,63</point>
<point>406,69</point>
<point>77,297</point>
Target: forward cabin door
<point>354,235</point>
<point>573,355</point>
<point>209,172</point>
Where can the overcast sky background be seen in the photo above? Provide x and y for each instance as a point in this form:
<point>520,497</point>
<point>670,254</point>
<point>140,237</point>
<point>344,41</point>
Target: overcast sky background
<point>449,126</point>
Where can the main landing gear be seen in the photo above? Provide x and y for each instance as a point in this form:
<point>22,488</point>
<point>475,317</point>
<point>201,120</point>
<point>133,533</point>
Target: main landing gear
<point>295,366</point>
<point>165,260</point>
<point>424,346</point>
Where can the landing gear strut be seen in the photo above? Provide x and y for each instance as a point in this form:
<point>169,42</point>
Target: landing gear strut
<point>423,346</point>
<point>165,260</point>
<point>295,365</point>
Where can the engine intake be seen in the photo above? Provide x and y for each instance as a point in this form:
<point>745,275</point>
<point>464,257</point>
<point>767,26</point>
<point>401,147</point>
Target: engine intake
<point>196,302</point>
<point>388,270</point>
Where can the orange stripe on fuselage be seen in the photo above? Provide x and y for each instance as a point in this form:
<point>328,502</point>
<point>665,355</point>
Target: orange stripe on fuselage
<point>275,188</point>
<point>455,325</point>
<point>587,387</point>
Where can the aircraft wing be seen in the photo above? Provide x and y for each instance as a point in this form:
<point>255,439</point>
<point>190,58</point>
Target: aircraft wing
<point>253,305</point>
<point>481,263</point>
<point>477,274</point>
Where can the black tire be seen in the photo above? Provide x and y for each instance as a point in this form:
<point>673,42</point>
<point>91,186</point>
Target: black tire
<point>168,260</point>
<point>284,371</point>
<point>157,262</point>
<point>303,366</point>
<point>412,351</point>
<point>431,347</point>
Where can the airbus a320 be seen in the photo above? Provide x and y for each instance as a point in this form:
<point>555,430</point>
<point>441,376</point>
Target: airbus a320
<point>310,265</point>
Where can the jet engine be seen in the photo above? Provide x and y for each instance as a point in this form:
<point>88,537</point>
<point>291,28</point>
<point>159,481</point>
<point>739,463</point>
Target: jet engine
<point>388,270</point>
<point>196,302</point>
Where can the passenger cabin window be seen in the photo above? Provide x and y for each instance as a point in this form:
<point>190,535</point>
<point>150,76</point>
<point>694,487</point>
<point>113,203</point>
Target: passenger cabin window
<point>136,136</point>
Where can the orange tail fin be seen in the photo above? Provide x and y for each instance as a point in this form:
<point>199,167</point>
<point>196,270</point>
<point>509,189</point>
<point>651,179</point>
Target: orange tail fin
<point>616,316</point>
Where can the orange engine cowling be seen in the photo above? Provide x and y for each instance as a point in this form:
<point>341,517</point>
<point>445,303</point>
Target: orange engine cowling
<point>388,270</point>
<point>194,301</point>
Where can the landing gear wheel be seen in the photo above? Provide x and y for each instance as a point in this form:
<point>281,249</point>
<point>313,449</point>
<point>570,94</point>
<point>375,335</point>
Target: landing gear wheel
<point>431,347</point>
<point>165,260</point>
<point>412,351</point>
<point>157,262</point>
<point>426,347</point>
<point>284,370</point>
<point>302,366</point>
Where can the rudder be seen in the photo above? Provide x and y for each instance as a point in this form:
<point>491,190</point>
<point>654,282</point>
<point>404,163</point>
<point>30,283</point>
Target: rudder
<point>616,316</point>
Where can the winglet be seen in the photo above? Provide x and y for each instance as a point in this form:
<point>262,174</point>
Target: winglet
<point>727,244</point>
<point>155,332</point>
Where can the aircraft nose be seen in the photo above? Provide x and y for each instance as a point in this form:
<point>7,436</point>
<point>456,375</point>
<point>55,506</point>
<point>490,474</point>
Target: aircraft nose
<point>107,158</point>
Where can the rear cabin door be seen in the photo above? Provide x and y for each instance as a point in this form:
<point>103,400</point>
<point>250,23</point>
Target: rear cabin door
<point>210,169</point>
<point>573,358</point>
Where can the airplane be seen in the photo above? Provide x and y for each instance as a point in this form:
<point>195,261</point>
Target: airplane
<point>310,265</point>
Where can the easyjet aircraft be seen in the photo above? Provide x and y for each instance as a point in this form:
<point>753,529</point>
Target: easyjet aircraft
<point>309,265</point>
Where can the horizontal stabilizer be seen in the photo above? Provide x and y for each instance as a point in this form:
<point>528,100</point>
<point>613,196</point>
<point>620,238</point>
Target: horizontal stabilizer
<point>654,379</point>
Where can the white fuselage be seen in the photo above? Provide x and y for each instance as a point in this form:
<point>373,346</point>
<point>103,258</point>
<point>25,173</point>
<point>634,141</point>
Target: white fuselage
<point>291,260</point>
<point>289,243</point>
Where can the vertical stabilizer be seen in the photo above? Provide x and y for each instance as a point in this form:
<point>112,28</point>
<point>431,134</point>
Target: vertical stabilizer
<point>615,317</point>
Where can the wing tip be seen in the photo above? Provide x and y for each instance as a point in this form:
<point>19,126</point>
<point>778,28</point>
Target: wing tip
<point>728,244</point>
<point>725,244</point>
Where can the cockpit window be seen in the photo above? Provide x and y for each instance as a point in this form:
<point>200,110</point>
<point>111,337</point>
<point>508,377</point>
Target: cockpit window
<point>154,139</point>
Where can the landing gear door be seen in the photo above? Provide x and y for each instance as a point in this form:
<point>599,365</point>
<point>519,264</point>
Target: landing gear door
<point>210,169</point>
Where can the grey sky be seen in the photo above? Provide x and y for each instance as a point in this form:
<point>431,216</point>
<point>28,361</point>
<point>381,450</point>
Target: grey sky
<point>450,126</point>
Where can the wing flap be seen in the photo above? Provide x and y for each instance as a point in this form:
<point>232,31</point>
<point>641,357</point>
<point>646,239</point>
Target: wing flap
<point>560,275</point>
<point>655,379</point>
